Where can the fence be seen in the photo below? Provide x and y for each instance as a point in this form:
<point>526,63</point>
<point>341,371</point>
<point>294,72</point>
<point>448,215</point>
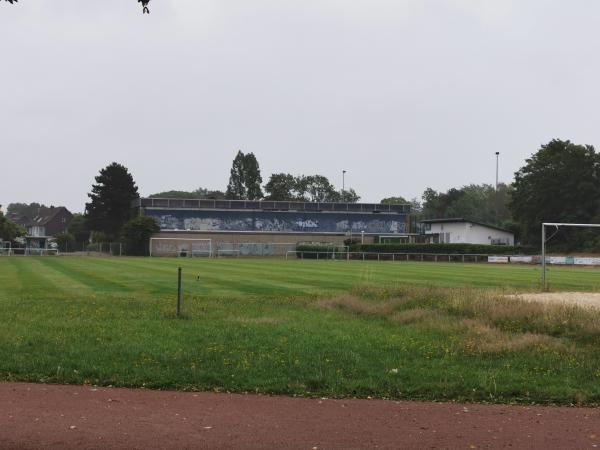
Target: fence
<point>253,248</point>
<point>27,251</point>
<point>377,256</point>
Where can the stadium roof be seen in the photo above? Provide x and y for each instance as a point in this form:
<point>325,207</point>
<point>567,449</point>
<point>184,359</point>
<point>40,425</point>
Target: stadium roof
<point>267,205</point>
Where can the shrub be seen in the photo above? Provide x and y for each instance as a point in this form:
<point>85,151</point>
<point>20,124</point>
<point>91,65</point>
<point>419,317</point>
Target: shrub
<point>136,235</point>
<point>467,249</point>
<point>65,242</point>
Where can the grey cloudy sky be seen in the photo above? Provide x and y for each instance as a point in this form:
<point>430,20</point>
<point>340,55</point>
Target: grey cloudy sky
<point>404,94</point>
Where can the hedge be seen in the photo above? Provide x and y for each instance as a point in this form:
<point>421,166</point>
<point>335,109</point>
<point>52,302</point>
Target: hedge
<point>444,249</point>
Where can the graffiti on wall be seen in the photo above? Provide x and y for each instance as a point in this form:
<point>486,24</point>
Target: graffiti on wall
<point>278,221</point>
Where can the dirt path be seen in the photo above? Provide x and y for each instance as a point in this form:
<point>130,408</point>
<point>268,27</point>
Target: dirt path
<point>48,416</point>
<point>582,299</point>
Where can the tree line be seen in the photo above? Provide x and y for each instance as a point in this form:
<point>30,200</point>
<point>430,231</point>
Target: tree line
<point>558,183</point>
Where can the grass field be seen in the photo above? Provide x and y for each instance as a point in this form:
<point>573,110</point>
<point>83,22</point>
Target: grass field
<point>329,328</point>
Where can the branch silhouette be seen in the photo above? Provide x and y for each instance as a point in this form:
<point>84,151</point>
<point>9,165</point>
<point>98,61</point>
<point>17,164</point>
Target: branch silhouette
<point>144,3</point>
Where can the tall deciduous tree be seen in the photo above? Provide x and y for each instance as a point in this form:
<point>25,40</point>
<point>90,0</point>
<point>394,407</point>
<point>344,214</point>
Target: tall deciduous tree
<point>559,183</point>
<point>316,188</point>
<point>244,178</point>
<point>281,187</point>
<point>111,197</point>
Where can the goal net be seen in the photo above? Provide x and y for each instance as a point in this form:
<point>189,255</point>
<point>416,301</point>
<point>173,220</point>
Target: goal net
<point>181,247</point>
<point>253,248</point>
<point>582,260</point>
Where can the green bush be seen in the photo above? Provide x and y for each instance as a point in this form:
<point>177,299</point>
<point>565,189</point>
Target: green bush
<point>466,249</point>
<point>136,235</point>
<point>65,242</point>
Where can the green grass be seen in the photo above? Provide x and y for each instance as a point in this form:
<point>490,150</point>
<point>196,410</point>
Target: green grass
<point>329,328</point>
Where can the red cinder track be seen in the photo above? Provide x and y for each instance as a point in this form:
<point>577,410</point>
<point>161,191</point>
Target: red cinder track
<point>63,417</point>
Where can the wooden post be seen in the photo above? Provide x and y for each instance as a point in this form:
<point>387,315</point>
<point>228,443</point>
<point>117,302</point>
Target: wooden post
<point>178,291</point>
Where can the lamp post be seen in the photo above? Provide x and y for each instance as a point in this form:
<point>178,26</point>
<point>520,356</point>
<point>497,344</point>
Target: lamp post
<point>496,199</point>
<point>343,180</point>
<point>497,154</point>
<point>362,237</point>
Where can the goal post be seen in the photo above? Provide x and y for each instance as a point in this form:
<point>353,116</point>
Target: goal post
<point>184,247</point>
<point>557,225</point>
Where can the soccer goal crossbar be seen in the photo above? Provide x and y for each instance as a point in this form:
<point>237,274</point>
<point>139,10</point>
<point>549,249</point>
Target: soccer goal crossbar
<point>557,225</point>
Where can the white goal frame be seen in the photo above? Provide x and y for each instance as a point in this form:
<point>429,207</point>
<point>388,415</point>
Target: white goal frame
<point>544,240</point>
<point>190,240</point>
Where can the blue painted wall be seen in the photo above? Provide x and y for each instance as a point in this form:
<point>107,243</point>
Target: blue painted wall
<point>278,221</point>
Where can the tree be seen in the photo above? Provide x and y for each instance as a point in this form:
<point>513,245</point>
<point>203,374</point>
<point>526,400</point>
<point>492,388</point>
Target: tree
<point>65,242</point>
<point>9,230</point>
<point>252,178</point>
<point>111,198</point>
<point>559,183</point>
<point>415,204</point>
<point>144,3</point>
<point>244,179</point>
<point>316,188</point>
<point>348,196</point>
<point>281,187</point>
<point>78,229</point>
<point>136,235</point>
<point>201,193</point>
<point>29,211</point>
<point>236,190</point>
<point>394,201</point>
<point>479,202</point>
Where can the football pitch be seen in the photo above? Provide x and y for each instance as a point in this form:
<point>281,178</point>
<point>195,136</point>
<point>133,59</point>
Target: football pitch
<point>437,331</point>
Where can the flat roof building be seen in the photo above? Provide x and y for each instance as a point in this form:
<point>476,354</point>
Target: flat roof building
<point>465,231</point>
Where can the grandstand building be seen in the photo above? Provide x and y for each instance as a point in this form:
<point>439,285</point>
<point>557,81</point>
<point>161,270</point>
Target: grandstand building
<point>239,224</point>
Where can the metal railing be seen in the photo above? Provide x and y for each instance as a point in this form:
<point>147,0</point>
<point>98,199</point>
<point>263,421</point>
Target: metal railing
<point>377,256</point>
<point>267,205</point>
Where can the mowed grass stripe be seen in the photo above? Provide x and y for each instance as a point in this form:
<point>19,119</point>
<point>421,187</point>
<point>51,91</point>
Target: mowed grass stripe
<point>91,275</point>
<point>58,280</point>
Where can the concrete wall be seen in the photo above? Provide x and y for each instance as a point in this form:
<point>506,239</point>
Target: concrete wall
<point>278,221</point>
<point>233,241</point>
<point>469,233</point>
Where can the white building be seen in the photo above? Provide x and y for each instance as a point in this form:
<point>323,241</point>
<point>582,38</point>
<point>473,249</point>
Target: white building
<point>463,231</point>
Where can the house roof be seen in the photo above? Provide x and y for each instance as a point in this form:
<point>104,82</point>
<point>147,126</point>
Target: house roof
<point>45,217</point>
<point>18,219</point>
<point>460,219</point>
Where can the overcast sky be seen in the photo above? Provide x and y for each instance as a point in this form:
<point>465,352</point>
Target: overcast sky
<point>403,94</point>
